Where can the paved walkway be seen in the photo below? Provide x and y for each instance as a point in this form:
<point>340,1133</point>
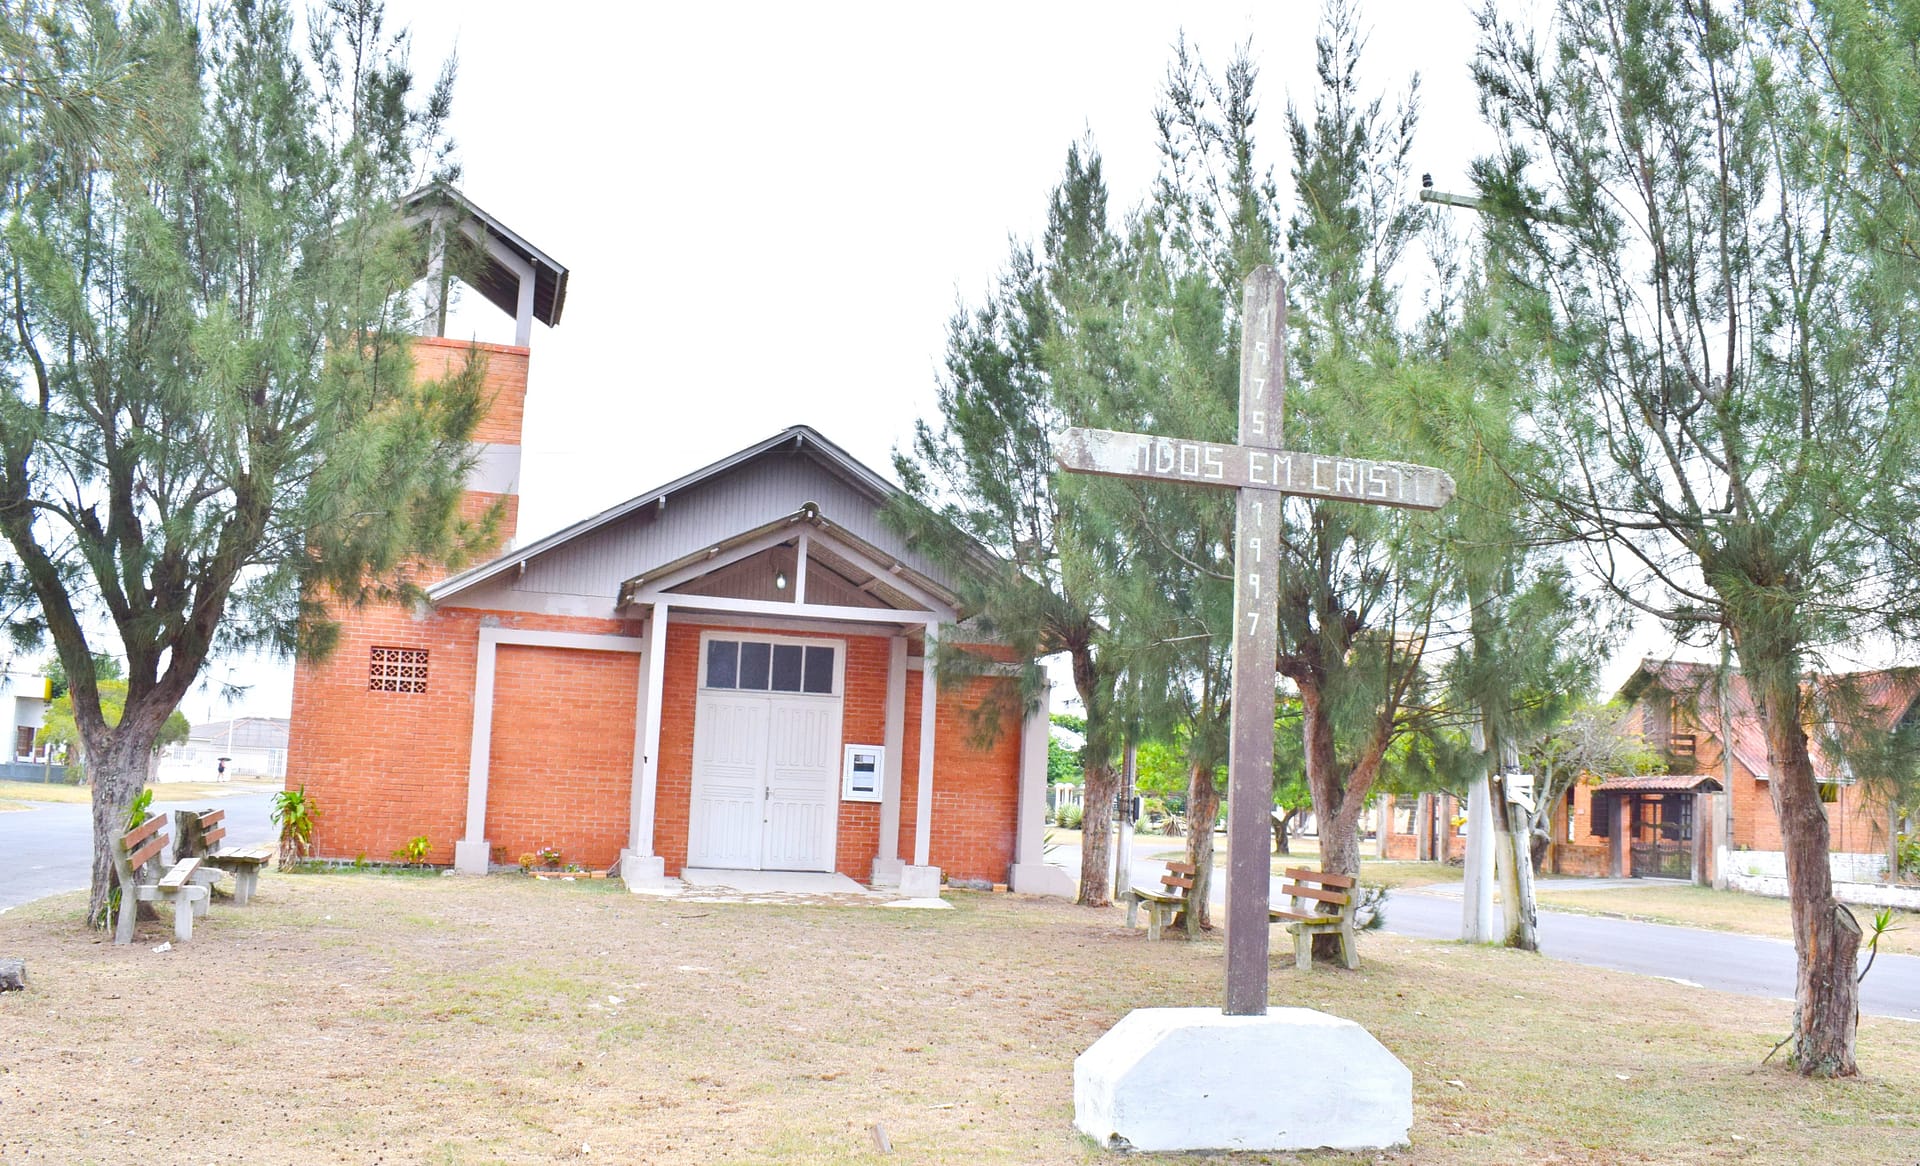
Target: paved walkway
<point>1750,965</point>
<point>49,849</point>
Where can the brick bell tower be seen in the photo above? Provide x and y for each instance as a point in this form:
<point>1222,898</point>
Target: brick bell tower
<point>372,723</point>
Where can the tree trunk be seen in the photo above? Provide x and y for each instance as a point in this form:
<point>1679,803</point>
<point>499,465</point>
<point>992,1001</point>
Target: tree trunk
<point>118,774</point>
<point>1203,806</point>
<point>1826,936</point>
<point>1096,835</point>
<point>1283,831</point>
<point>1515,871</point>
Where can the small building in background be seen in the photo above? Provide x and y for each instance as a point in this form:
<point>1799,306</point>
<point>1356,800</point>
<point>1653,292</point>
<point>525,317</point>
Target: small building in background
<point>223,750</point>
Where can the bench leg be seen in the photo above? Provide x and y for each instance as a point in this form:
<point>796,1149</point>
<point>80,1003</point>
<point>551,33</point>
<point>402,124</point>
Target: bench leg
<point>1154,921</point>
<point>1302,948</point>
<point>1348,947</point>
<point>183,913</point>
<point>1133,912</point>
<point>129,907</point>
<point>242,887</point>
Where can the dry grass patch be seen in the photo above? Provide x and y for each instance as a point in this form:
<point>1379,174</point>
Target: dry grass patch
<point>1691,906</point>
<point>366,1018</point>
<point>21,792</point>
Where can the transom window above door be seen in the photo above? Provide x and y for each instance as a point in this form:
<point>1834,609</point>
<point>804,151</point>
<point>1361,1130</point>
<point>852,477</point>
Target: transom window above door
<point>762,666</point>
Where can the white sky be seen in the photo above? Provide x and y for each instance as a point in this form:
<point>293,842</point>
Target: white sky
<point>769,212</point>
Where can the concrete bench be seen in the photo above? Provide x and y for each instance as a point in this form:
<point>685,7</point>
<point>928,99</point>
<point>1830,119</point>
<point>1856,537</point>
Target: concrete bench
<point>1309,887</point>
<point>135,849</point>
<point>1163,904</point>
<point>199,837</point>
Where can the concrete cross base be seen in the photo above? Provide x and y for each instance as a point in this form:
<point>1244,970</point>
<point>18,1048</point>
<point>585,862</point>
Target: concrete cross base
<point>920,882</point>
<point>472,857</point>
<point>642,872</point>
<point>886,872</point>
<point>1198,1079</point>
<point>1041,878</point>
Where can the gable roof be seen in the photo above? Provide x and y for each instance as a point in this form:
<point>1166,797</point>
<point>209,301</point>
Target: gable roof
<point>802,439</point>
<point>1838,705</point>
<point>492,278</point>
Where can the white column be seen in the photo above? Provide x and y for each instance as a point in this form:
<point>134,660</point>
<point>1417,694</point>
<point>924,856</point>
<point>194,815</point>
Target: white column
<point>1477,922</point>
<point>642,867</point>
<point>886,862</point>
<point>922,879</point>
<point>1032,874</point>
<point>472,854</point>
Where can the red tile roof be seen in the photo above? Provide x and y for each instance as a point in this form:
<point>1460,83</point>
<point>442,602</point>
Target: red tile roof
<point>1835,707</point>
<point>1662,783</point>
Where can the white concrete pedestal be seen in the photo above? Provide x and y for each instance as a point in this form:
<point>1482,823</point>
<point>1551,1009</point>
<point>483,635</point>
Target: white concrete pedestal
<point>472,857</point>
<point>1198,1079</point>
<point>920,882</point>
<point>1041,878</point>
<point>640,872</point>
<point>886,872</point>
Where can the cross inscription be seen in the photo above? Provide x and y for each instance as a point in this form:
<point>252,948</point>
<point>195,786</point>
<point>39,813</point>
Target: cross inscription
<point>1261,474</point>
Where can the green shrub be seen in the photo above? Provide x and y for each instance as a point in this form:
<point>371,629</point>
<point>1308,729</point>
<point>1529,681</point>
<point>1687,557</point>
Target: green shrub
<point>1070,817</point>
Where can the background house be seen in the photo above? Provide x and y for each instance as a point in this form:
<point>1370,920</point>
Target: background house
<point>1651,825</point>
<point>248,746</point>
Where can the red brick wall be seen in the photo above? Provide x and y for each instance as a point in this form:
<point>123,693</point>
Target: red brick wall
<point>506,379</point>
<point>561,771</point>
<point>384,767</point>
<point>975,791</point>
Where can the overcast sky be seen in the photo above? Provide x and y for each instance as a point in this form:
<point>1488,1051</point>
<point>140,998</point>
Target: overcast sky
<point>770,212</point>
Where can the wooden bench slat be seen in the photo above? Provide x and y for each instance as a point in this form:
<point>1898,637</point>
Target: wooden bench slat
<point>177,877</point>
<point>213,836</point>
<point>143,831</point>
<point>211,817</point>
<point>1295,891</point>
<point>1185,868</point>
<point>154,846</point>
<point>1324,878</point>
<point>1171,881</point>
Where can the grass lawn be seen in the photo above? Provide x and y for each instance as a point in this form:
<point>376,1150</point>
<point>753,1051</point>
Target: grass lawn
<point>20,795</point>
<point>1690,906</point>
<point>374,1018</point>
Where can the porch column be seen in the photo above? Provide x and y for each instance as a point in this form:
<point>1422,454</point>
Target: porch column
<point>886,861</point>
<point>1032,874</point>
<point>1384,829</point>
<point>641,867</point>
<point>472,854</point>
<point>1617,851</point>
<point>1423,828</point>
<point>922,880</point>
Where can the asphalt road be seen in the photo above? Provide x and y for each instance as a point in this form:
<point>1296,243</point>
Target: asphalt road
<point>48,849</point>
<point>1746,964</point>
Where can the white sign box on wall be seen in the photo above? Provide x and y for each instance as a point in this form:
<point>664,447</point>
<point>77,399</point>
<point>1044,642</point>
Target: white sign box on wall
<point>860,780</point>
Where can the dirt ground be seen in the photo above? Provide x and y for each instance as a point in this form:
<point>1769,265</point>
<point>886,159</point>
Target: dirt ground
<point>370,1018</point>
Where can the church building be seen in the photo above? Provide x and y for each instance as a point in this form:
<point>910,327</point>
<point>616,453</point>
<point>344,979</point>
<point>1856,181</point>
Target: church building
<point>732,670</point>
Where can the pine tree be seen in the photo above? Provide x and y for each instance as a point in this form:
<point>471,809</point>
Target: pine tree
<point>209,408</point>
<point>982,474</point>
<point>1725,358</point>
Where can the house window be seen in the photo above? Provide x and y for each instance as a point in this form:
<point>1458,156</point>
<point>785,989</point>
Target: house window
<point>23,741</point>
<point>762,666</point>
<point>1601,823</point>
<point>397,670</point>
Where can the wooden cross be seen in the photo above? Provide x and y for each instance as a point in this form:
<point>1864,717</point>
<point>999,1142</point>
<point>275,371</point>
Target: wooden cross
<point>1262,474</point>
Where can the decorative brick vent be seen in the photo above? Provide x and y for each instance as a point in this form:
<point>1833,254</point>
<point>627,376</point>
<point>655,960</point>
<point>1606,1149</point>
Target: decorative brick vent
<point>397,670</point>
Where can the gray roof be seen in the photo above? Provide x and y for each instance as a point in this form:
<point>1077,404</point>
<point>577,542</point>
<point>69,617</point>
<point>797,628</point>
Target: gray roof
<point>248,733</point>
<point>804,438</point>
<point>494,280</point>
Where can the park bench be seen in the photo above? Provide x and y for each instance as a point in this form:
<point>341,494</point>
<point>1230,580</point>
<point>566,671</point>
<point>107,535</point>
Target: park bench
<point>1309,887</point>
<point>133,850</point>
<point>1162,904</point>
<point>198,836</point>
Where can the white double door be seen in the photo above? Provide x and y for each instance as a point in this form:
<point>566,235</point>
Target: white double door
<point>766,781</point>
